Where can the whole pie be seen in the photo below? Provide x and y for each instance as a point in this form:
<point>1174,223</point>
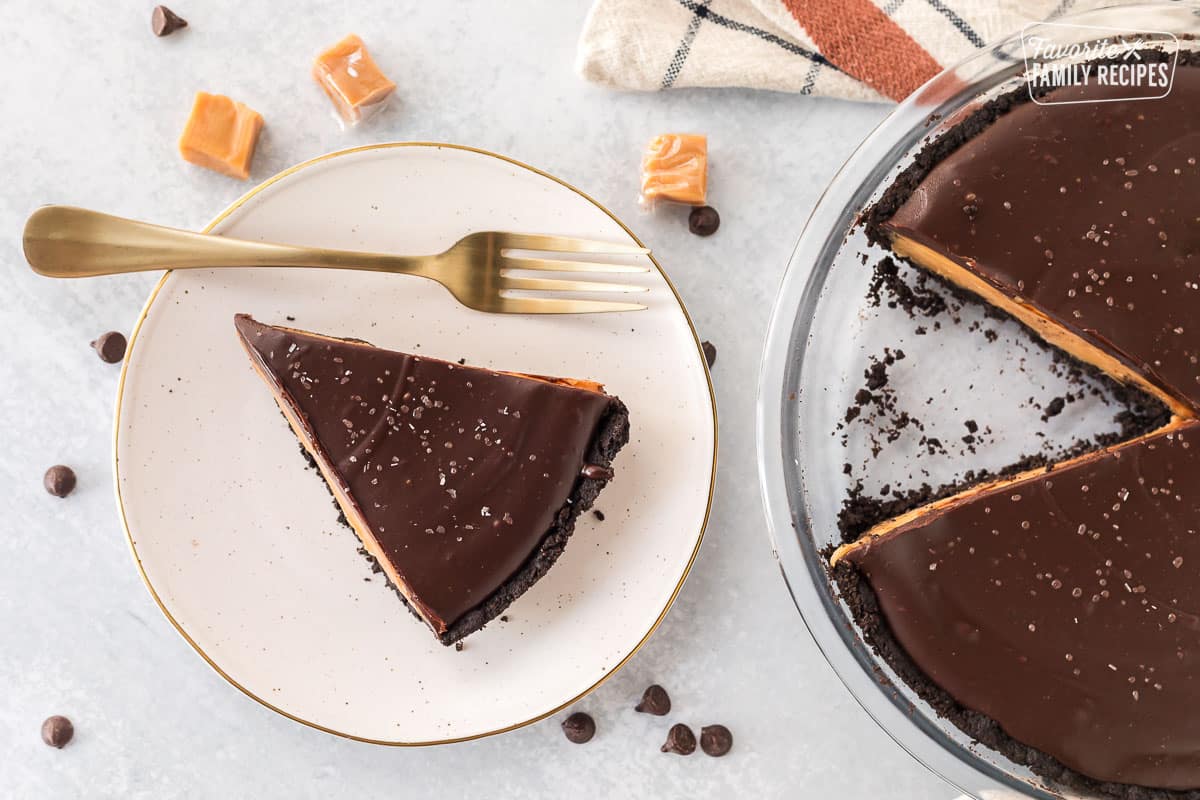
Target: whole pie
<point>1055,614</point>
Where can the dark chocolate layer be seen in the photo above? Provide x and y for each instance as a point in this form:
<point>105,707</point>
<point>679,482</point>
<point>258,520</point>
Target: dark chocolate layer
<point>1062,607</point>
<point>461,474</point>
<point>612,435</point>
<point>1089,212</point>
<point>856,592</point>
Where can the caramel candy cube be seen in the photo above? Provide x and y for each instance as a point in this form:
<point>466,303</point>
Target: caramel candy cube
<point>675,168</point>
<point>221,135</point>
<point>352,80</point>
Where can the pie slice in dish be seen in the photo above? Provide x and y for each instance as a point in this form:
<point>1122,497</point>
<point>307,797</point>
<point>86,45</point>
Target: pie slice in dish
<point>1080,219</point>
<point>463,483</point>
<point>1058,605</point>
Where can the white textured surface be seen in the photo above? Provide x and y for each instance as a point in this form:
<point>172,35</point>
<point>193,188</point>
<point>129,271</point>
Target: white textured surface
<point>93,105</point>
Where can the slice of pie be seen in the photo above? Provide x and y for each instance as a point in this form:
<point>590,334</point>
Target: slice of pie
<point>1061,604</point>
<point>1082,220</point>
<point>463,483</point>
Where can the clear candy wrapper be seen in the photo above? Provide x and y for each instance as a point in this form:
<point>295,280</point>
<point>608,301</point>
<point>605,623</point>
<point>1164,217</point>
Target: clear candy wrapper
<point>352,81</point>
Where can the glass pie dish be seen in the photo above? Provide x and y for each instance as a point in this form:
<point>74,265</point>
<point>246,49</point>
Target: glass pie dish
<point>834,321</point>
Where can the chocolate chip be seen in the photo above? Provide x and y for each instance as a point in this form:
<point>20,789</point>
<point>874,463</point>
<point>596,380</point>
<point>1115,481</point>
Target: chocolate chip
<point>596,472</point>
<point>710,352</point>
<point>681,740</point>
<point>164,21</point>
<point>704,221</point>
<point>57,731</point>
<point>579,727</point>
<point>716,740</point>
<point>110,346</point>
<point>655,700</point>
<point>59,480</point>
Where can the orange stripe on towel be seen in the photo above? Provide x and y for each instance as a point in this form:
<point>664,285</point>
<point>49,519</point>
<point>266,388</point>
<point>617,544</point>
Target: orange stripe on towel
<point>862,41</point>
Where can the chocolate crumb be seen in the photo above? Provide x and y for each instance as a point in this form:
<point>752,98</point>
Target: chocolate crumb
<point>57,731</point>
<point>876,375</point>
<point>710,352</point>
<point>59,480</point>
<point>655,700</point>
<point>913,298</point>
<point>579,728</point>
<point>715,740</point>
<point>598,514</point>
<point>1054,408</point>
<point>680,740</point>
<point>110,346</point>
<point>459,646</point>
<point>290,318</point>
<point>164,21</point>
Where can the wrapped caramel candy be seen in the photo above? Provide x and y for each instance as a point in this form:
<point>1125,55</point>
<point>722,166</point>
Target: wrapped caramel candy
<point>352,80</point>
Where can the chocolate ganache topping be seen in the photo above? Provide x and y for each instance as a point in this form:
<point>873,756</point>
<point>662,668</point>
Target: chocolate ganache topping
<point>458,472</point>
<point>1064,606</point>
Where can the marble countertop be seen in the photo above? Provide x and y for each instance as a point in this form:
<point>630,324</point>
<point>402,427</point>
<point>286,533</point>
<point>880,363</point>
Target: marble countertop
<point>94,106</point>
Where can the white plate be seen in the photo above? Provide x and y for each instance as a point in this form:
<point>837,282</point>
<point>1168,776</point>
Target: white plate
<point>238,541</point>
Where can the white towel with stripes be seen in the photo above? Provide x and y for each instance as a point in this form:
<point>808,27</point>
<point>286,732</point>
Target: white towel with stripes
<point>859,49</point>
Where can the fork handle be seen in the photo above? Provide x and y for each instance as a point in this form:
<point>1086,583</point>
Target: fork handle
<point>69,242</point>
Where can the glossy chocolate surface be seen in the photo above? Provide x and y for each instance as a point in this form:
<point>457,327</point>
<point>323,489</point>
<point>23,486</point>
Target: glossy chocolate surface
<point>458,471</point>
<point>1089,212</point>
<point>1066,607</point>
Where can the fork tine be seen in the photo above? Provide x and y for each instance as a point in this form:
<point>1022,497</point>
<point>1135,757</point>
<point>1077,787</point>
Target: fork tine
<point>568,244</point>
<point>552,285</point>
<point>547,305</point>
<point>555,265</point>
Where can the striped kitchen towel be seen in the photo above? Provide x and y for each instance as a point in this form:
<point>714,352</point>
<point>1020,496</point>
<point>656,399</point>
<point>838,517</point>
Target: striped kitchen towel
<point>856,49</point>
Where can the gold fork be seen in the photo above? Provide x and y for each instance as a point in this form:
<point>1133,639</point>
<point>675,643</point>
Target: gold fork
<point>68,242</point>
